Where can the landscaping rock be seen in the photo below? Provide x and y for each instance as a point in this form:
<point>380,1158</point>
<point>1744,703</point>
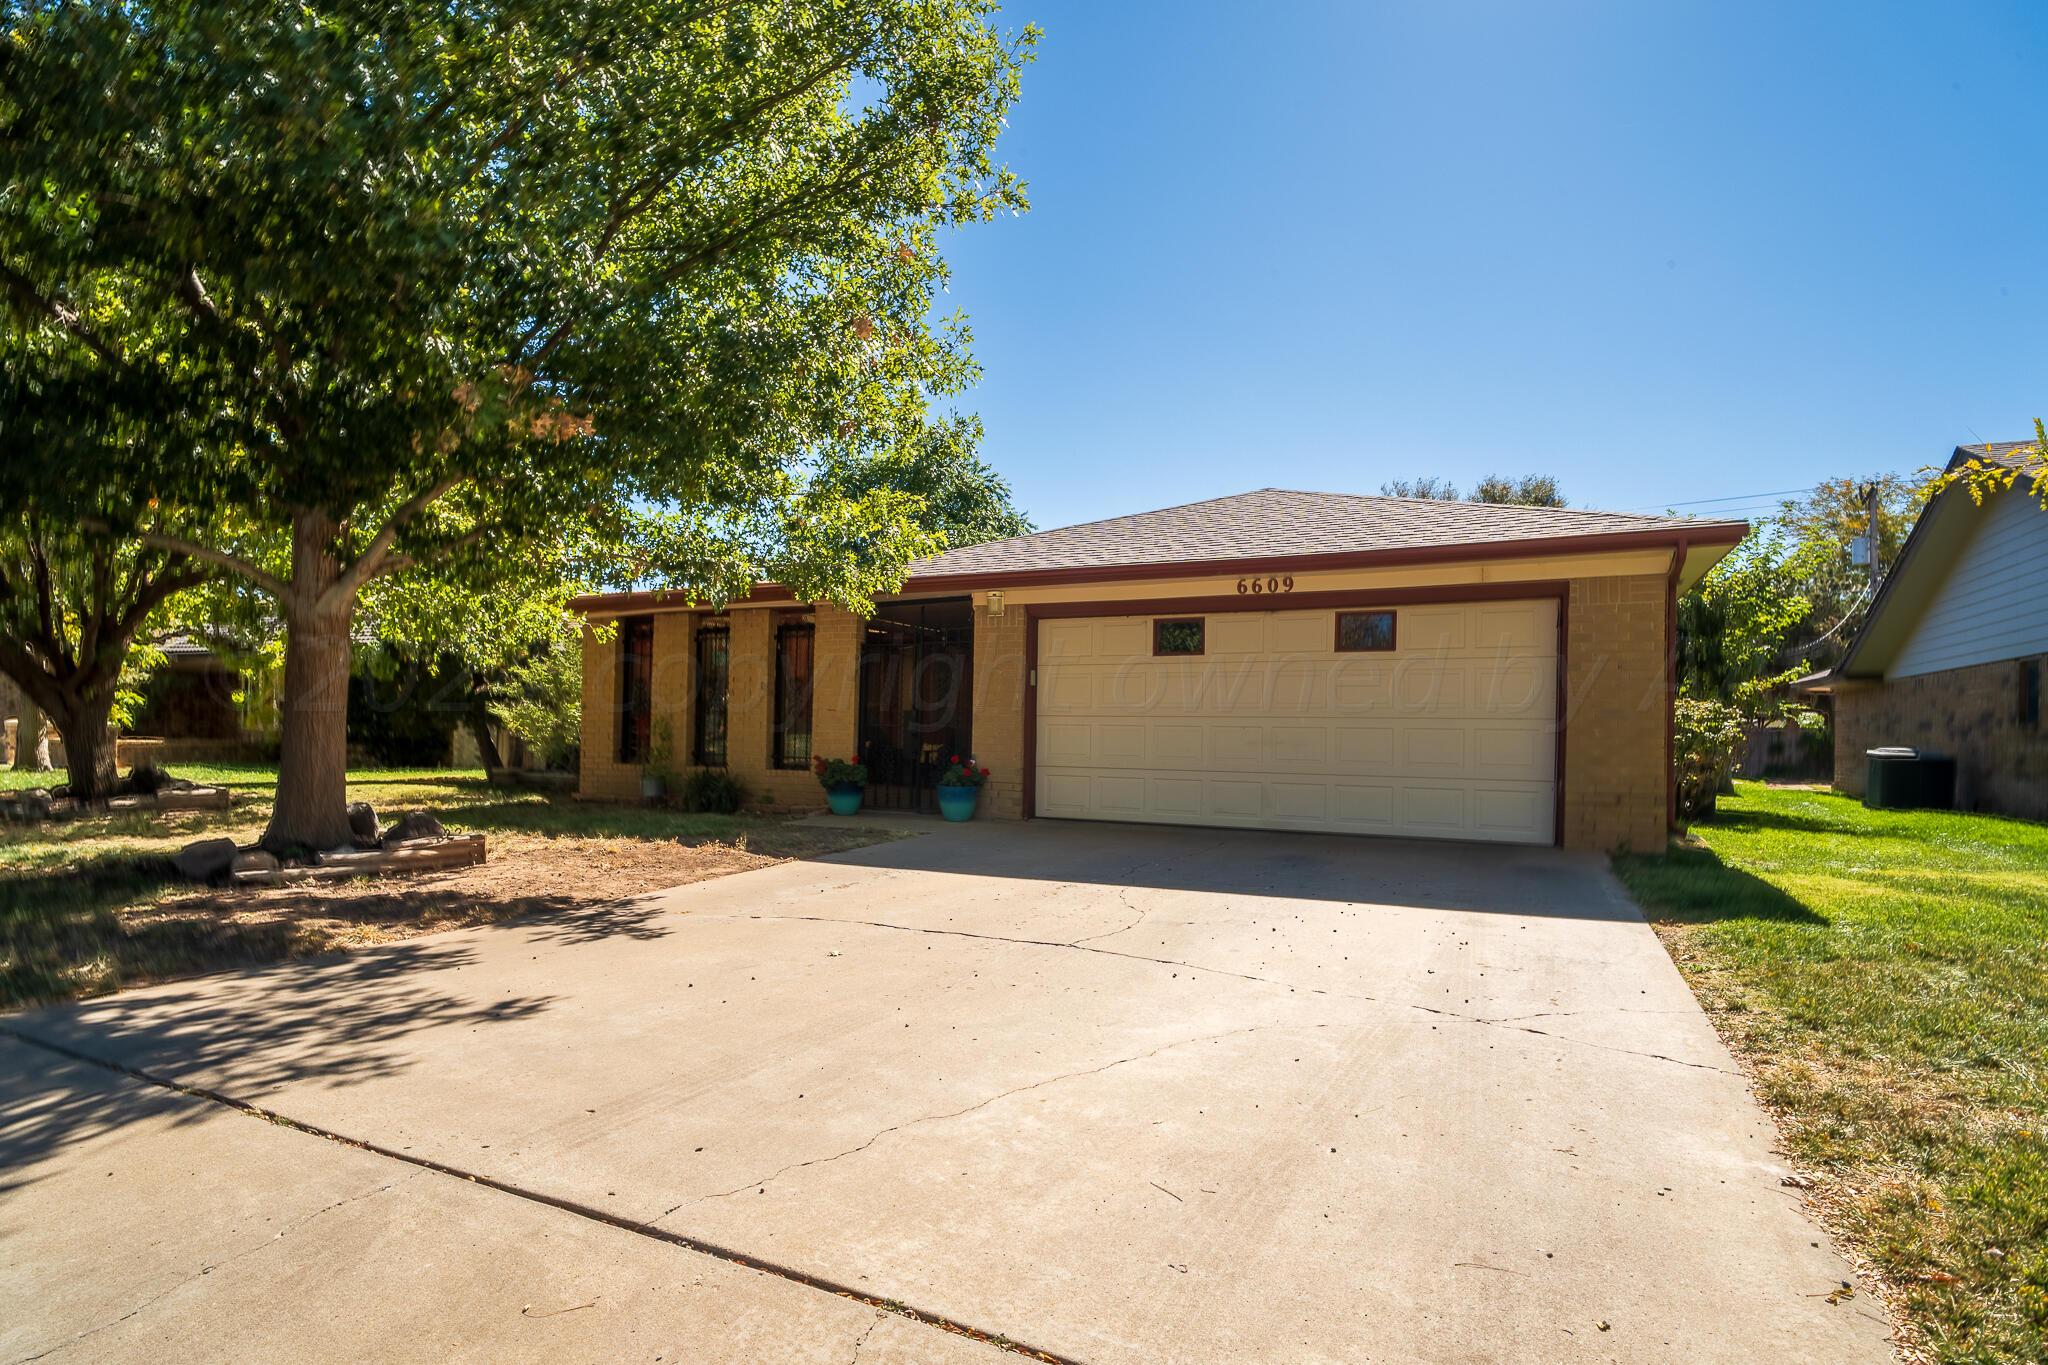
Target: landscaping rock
<point>412,827</point>
<point>206,860</point>
<point>254,861</point>
<point>362,822</point>
<point>189,797</point>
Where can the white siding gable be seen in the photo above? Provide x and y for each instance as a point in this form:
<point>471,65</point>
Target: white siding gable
<point>1994,604</point>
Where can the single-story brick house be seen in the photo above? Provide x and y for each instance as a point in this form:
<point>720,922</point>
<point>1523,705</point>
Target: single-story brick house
<point>1950,656</point>
<point>1277,659</point>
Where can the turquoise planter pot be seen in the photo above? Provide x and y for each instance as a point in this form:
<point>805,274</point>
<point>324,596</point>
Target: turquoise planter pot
<point>843,800</point>
<point>957,803</point>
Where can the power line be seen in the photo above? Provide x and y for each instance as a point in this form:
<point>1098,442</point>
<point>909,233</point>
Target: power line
<point>1745,498</point>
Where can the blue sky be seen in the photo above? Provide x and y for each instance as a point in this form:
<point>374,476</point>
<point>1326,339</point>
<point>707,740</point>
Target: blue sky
<point>1666,252</point>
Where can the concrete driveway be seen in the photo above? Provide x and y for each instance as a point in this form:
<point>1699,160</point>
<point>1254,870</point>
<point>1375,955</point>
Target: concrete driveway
<point>1116,1094</point>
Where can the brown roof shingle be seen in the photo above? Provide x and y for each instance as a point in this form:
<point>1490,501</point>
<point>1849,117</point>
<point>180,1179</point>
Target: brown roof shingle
<point>1281,523</point>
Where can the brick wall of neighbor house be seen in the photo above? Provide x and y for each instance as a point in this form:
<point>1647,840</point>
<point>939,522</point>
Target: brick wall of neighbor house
<point>1974,714</point>
<point>1615,779</point>
<point>1000,701</point>
<point>750,704</point>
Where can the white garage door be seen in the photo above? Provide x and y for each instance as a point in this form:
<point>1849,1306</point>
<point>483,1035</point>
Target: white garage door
<point>1450,733</point>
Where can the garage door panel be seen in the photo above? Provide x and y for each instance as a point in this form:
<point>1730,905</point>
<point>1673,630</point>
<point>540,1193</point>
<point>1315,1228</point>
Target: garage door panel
<point>1512,627</point>
<point>1364,746</point>
<point>1431,686</point>
<point>1308,634</point>
<point>1061,743</point>
<point>1123,796</point>
<point>1305,801</point>
<point>1360,685</point>
<point>1122,742</point>
<point>1432,630</point>
<point>1177,745</point>
<point>1241,633</point>
<point>1439,748</point>
<point>1359,804</point>
<point>1177,796</point>
<point>1431,810</point>
<point>1525,754</point>
<point>1236,798</point>
<point>1064,793</point>
<point>1236,746</point>
<point>1451,734</point>
<point>1299,744</point>
<point>1522,813</point>
<point>1519,688</point>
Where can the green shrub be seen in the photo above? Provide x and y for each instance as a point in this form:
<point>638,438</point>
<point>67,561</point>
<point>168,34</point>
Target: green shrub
<point>1706,738</point>
<point>839,772</point>
<point>712,790</point>
<point>544,700</point>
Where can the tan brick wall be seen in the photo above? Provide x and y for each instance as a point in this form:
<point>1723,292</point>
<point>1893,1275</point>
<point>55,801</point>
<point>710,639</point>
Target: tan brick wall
<point>1972,714</point>
<point>1000,710</point>
<point>603,777</point>
<point>1615,770</point>
<point>750,704</point>
<point>1616,780</point>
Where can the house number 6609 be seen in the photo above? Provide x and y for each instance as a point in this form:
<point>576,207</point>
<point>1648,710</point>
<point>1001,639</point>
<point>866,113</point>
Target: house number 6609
<point>1248,586</point>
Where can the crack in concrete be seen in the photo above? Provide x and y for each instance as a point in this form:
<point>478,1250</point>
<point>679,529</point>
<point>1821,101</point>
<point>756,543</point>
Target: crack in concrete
<point>1123,894</point>
<point>862,1339</point>
<point>1080,947</point>
<point>1083,946</point>
<point>773,1176</point>
<point>730,1255</point>
<point>207,1269</point>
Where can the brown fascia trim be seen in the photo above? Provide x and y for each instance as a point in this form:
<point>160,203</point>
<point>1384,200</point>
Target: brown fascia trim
<point>1712,533</point>
<point>1707,533</point>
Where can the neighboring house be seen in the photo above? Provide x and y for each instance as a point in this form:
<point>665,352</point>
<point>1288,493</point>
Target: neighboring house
<point>197,707</point>
<point>1950,657</point>
<point>1274,660</point>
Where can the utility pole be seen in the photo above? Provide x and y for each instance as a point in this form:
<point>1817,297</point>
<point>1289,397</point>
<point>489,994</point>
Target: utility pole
<point>1871,559</point>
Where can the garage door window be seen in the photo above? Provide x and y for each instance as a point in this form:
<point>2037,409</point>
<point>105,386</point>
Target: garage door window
<point>1363,632</point>
<point>1178,637</point>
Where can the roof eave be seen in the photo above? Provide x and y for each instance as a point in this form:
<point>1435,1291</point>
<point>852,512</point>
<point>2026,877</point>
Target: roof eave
<point>1725,534</point>
<point>1705,534</point>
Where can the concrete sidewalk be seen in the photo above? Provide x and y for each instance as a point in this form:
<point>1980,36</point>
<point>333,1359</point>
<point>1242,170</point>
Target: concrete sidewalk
<point>1121,1094</point>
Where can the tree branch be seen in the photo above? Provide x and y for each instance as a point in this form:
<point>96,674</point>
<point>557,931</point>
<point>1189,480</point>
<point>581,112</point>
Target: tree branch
<point>375,554</point>
<point>234,564</point>
<point>62,314</point>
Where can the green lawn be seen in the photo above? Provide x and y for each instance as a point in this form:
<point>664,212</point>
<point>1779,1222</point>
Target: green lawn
<point>1885,977</point>
<point>92,905</point>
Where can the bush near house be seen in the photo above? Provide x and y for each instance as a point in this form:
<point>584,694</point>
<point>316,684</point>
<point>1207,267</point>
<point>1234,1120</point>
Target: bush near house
<point>1884,977</point>
<point>1706,736</point>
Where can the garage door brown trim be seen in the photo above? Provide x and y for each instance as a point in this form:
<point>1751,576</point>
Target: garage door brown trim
<point>1553,589</point>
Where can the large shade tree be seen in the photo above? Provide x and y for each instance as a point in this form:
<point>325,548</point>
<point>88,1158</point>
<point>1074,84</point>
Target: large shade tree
<point>431,286</point>
<point>72,604</point>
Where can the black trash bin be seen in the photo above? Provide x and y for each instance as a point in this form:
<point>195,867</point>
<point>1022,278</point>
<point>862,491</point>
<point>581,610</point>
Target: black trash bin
<point>1898,778</point>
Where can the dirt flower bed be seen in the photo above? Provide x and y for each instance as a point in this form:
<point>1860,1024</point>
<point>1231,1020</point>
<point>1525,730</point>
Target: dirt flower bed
<point>96,905</point>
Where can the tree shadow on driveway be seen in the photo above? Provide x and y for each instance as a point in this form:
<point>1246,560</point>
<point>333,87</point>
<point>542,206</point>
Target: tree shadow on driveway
<point>339,1021</point>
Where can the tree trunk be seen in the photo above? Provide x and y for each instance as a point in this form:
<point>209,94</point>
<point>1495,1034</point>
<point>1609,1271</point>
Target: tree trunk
<point>90,773</point>
<point>486,742</point>
<point>31,743</point>
<point>311,811</point>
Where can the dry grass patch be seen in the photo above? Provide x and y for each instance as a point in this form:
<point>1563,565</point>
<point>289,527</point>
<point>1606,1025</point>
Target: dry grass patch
<point>93,905</point>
